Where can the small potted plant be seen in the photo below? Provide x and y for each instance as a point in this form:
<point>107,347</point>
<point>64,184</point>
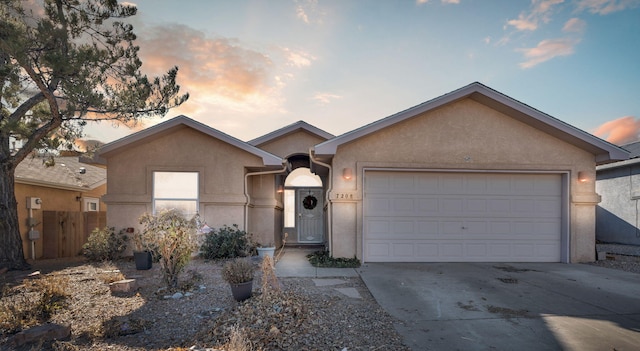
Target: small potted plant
<point>266,250</point>
<point>239,274</point>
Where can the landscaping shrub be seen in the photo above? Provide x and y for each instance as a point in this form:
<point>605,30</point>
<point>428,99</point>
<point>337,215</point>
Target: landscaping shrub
<point>174,237</point>
<point>104,245</point>
<point>324,259</point>
<point>226,242</point>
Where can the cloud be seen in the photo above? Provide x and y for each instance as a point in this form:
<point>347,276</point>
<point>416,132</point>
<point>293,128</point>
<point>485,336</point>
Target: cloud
<point>620,131</point>
<point>546,50</point>
<point>325,98</point>
<point>605,7</point>
<point>420,2</point>
<point>85,145</point>
<point>540,12</point>
<point>574,25</point>
<point>307,11</point>
<point>219,71</point>
<point>298,58</point>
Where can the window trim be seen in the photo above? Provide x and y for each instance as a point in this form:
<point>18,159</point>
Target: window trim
<point>198,174</point>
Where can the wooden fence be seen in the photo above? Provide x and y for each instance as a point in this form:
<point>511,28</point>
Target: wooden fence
<point>64,233</point>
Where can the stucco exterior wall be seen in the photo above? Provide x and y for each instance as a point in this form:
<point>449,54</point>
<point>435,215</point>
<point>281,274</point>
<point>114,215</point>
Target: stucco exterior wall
<point>617,214</point>
<point>53,199</point>
<point>463,135</point>
<point>292,143</point>
<point>265,210</point>
<point>221,169</point>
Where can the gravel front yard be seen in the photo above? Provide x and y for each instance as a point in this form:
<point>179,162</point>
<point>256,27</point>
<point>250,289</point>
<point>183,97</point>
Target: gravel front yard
<point>305,315</point>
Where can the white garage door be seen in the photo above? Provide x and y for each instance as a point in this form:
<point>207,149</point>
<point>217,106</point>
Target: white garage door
<point>462,217</point>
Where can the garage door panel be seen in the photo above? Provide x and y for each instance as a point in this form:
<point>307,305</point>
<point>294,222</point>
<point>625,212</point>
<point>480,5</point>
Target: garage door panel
<point>427,205</point>
<point>523,206</point>
<point>378,206</point>
<point>550,206</point>
<point>443,217</point>
<point>403,184</point>
<point>462,252</point>
<point>450,206</point>
<point>498,206</point>
<point>477,205</point>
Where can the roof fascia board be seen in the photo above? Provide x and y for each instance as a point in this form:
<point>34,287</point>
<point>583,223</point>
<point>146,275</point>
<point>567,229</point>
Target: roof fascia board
<point>57,185</point>
<point>300,125</point>
<point>268,159</point>
<point>619,164</point>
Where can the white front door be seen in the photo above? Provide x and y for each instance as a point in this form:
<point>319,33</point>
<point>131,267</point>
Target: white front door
<point>309,212</point>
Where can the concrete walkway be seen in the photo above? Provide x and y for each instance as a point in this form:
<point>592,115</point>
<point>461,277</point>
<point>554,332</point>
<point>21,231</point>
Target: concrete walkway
<point>294,263</point>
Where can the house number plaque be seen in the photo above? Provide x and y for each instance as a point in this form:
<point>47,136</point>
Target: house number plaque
<point>344,196</point>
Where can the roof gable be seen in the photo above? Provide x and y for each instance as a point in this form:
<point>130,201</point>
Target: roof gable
<point>268,159</point>
<point>605,152</point>
<point>292,128</point>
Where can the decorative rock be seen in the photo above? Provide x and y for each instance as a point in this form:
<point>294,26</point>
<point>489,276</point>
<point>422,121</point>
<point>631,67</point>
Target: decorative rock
<point>174,296</point>
<point>126,285</point>
<point>42,333</point>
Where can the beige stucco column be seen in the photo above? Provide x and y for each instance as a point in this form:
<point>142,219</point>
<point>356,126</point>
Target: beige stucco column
<point>583,232</point>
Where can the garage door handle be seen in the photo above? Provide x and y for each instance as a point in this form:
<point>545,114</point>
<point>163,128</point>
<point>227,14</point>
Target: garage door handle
<point>464,227</point>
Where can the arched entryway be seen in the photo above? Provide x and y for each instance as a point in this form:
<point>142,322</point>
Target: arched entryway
<point>304,208</point>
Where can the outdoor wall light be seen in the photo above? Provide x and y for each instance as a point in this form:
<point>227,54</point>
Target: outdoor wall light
<point>582,177</point>
<point>347,173</point>
<point>280,189</point>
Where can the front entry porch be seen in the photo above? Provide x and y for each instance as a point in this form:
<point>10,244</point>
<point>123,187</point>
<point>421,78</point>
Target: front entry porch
<point>304,208</point>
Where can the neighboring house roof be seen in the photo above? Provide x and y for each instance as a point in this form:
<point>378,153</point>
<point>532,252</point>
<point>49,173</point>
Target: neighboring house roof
<point>605,152</point>
<point>634,154</point>
<point>268,159</point>
<point>292,128</point>
<point>65,174</point>
<point>633,148</point>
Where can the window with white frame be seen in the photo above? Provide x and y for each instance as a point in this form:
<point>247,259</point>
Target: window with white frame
<point>91,204</point>
<point>176,190</point>
<point>289,208</point>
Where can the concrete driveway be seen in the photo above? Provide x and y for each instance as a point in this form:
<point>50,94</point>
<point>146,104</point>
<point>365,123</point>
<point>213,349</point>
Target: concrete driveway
<point>515,306</point>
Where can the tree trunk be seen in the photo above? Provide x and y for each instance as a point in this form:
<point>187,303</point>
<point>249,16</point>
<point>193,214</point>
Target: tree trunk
<point>11,252</point>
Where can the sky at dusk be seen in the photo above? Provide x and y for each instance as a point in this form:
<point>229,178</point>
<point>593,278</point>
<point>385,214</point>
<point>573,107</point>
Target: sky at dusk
<point>252,67</point>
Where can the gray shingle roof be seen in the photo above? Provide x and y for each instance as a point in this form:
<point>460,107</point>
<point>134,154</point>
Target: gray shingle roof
<point>633,148</point>
<point>64,174</point>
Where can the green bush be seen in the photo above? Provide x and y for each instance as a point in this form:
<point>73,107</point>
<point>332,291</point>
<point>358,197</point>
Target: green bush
<point>104,245</point>
<point>324,259</point>
<point>226,242</point>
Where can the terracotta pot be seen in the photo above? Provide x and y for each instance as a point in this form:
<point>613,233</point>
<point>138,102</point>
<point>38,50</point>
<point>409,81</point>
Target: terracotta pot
<point>242,291</point>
